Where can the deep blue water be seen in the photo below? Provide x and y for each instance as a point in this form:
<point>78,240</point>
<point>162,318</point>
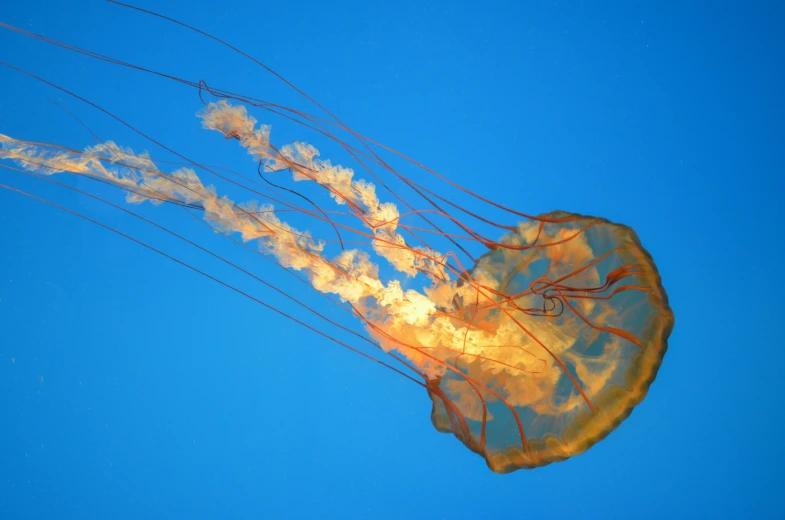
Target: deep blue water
<point>133,388</point>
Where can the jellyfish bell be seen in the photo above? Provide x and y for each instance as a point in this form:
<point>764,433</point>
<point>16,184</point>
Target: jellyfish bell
<point>565,324</point>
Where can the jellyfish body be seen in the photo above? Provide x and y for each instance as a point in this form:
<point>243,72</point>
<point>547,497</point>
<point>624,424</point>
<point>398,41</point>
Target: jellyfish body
<point>572,340</point>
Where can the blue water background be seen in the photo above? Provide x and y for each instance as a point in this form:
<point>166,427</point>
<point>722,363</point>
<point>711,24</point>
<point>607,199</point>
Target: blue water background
<point>132,388</point>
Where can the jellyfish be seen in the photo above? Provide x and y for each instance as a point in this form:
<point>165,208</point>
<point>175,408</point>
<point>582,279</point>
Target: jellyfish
<point>531,352</point>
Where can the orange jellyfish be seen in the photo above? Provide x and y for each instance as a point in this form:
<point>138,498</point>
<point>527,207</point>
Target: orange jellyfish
<point>569,324</point>
<point>530,353</point>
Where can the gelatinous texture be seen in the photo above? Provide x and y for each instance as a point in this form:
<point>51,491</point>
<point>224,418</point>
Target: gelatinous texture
<point>573,338</point>
<point>530,357</point>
